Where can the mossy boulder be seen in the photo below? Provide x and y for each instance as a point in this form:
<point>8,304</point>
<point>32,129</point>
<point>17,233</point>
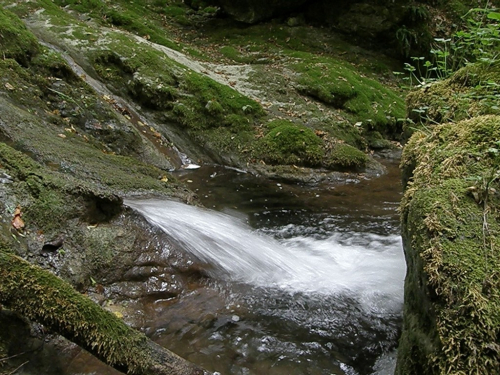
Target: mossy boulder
<point>376,141</point>
<point>472,91</point>
<point>450,214</point>
<point>340,85</point>
<point>289,143</point>
<point>343,156</point>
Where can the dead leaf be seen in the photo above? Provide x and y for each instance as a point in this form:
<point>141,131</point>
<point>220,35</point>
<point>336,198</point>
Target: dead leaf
<point>17,222</point>
<point>320,133</point>
<point>8,86</point>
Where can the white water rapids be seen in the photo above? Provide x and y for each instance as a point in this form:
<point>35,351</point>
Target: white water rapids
<point>369,269</point>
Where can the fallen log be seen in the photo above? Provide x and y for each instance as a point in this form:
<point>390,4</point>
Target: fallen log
<point>43,297</point>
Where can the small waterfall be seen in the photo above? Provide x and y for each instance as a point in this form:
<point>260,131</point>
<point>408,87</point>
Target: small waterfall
<point>368,267</point>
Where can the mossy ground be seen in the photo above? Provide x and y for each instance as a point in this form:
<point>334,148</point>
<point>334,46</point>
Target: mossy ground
<point>450,215</point>
<point>214,114</point>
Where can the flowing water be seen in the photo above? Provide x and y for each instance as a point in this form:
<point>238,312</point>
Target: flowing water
<point>301,279</point>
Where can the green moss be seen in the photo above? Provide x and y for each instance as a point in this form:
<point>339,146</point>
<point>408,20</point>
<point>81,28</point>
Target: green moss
<point>472,91</point>
<point>344,156</point>
<point>138,17</point>
<point>16,42</point>
<point>52,302</point>
<point>235,54</point>
<point>196,101</point>
<point>50,208</point>
<point>341,86</point>
<point>289,143</point>
<point>450,213</point>
<point>51,198</point>
<point>376,142</point>
<point>175,11</point>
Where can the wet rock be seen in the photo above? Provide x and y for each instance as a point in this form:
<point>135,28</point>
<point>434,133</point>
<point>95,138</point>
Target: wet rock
<point>53,245</point>
<point>5,178</point>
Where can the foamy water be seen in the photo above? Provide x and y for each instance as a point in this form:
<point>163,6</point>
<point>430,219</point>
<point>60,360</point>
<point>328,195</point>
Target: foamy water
<point>367,267</point>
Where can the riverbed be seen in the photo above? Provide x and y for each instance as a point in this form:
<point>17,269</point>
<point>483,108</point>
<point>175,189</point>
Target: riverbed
<point>299,278</point>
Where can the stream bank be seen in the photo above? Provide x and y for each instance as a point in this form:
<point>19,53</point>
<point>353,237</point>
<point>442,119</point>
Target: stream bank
<point>450,229</point>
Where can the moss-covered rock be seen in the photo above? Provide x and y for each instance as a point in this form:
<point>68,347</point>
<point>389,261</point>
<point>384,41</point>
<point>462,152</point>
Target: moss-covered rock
<point>472,91</point>
<point>16,42</point>
<point>289,143</point>
<point>339,84</point>
<point>344,156</point>
<point>45,298</point>
<point>450,214</point>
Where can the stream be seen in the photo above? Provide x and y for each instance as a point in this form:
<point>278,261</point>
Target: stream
<point>298,278</point>
<point>311,276</point>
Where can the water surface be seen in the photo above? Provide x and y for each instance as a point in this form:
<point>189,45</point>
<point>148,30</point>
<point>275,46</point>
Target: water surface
<point>307,279</point>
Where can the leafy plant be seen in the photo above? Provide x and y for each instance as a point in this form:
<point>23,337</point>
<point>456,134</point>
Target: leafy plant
<point>478,42</point>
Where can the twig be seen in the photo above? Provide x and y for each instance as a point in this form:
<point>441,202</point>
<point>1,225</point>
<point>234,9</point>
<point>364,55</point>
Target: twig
<point>17,368</point>
<point>12,356</point>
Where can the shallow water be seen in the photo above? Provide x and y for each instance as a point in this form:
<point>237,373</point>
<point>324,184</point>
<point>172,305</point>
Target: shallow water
<point>296,279</point>
<point>302,279</point>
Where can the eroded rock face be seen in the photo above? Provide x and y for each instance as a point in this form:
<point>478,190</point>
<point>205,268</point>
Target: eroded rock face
<point>399,27</point>
<point>363,19</point>
<point>251,11</point>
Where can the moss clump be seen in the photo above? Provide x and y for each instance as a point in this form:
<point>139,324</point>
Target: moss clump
<point>344,156</point>
<point>51,199</point>
<point>289,143</point>
<point>472,91</point>
<point>341,86</point>
<point>210,102</point>
<point>450,214</point>
<point>44,298</point>
<point>375,141</point>
<point>16,42</point>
